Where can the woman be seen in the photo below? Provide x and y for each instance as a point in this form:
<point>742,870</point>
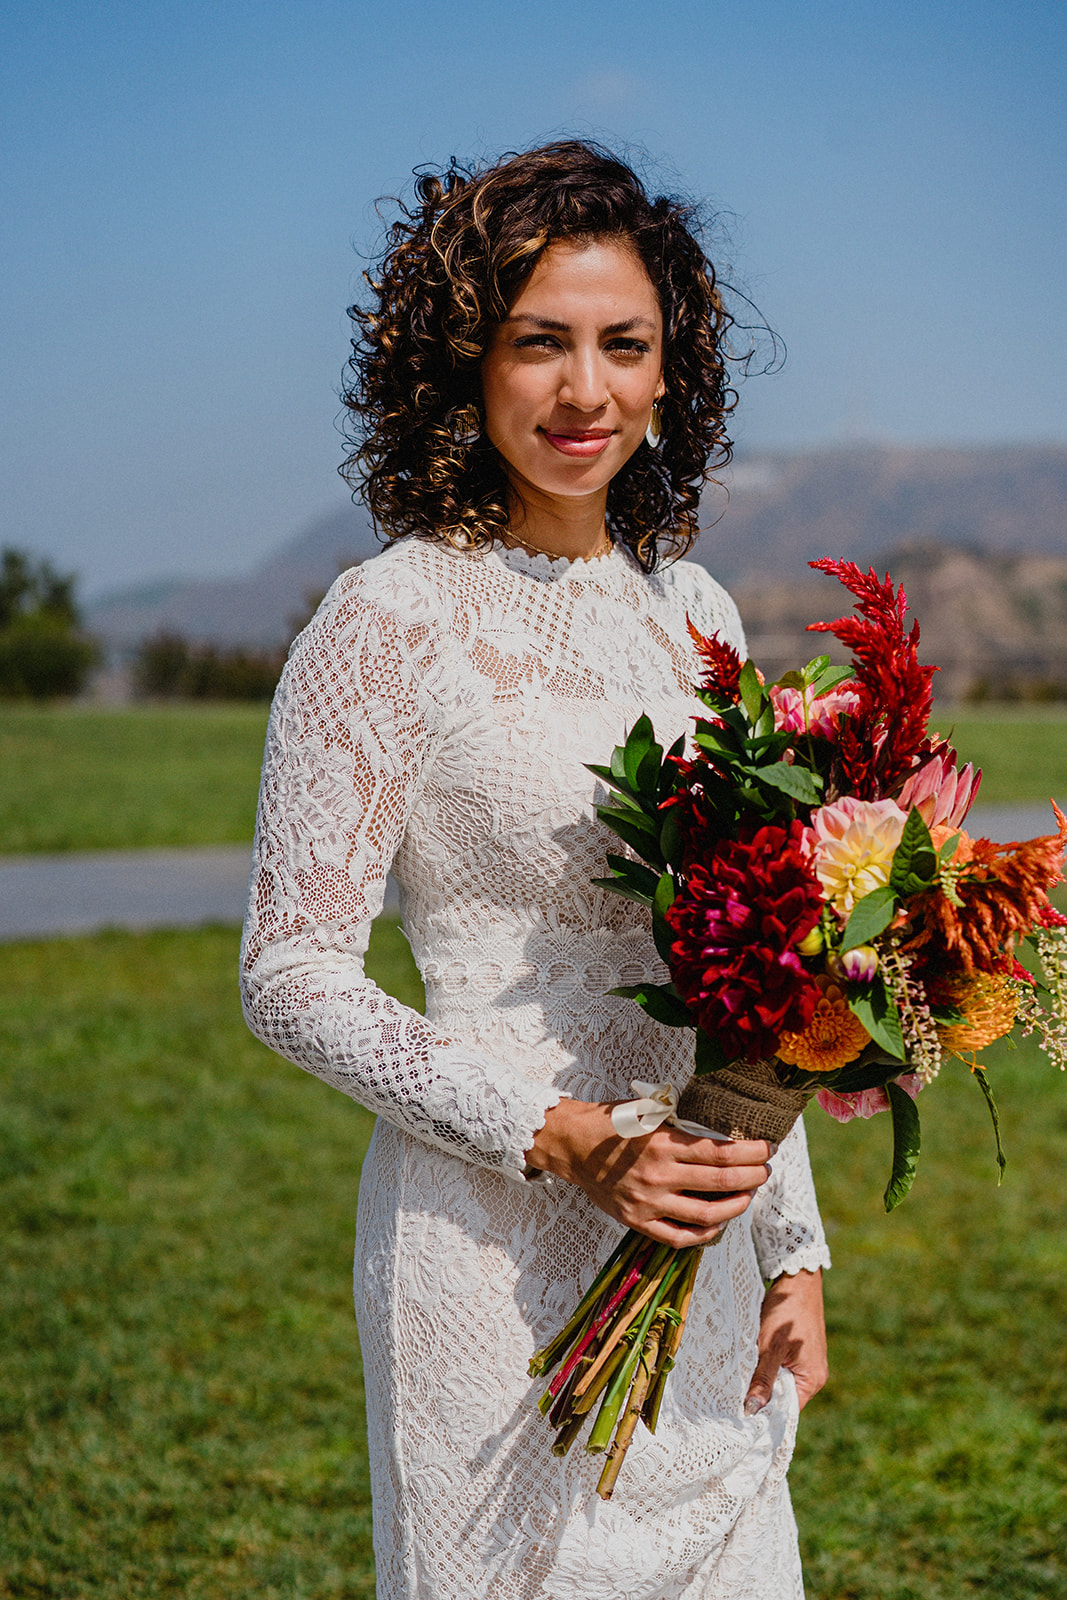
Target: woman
<point>540,385</point>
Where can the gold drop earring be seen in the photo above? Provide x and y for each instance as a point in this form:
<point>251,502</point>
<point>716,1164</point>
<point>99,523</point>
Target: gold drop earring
<point>654,431</point>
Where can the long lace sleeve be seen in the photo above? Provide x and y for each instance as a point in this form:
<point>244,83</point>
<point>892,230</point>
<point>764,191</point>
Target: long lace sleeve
<point>786,1228</point>
<point>356,722</point>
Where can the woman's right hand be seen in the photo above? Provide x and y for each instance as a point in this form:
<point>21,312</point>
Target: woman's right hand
<point>671,1185</point>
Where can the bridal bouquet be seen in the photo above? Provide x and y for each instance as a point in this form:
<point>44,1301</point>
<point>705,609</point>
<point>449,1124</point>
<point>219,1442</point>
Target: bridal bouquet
<point>830,929</point>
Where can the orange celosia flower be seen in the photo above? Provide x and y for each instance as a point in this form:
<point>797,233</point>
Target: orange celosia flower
<point>989,1004</point>
<point>832,1038</point>
<point>1003,893</point>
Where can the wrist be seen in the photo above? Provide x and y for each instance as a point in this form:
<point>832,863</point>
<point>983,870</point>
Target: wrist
<point>565,1137</point>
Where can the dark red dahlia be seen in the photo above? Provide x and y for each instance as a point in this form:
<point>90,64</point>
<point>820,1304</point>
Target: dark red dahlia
<point>737,924</point>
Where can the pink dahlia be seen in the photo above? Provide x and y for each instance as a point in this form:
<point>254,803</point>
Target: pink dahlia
<point>737,922</point>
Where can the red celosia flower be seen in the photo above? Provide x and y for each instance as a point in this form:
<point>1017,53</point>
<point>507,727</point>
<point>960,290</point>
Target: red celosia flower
<point>722,664</point>
<point>880,741</point>
<point>737,923</point>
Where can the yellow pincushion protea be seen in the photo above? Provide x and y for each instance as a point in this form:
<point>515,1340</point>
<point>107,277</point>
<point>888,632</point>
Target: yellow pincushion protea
<point>989,1004</point>
<point>832,1038</point>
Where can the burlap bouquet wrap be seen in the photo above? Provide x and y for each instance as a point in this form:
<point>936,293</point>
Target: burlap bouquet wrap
<point>745,1101</point>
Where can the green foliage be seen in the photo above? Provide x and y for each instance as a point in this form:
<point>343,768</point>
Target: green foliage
<point>83,778</point>
<point>43,654</point>
<point>907,1142</point>
<point>876,1009</point>
<point>169,667</point>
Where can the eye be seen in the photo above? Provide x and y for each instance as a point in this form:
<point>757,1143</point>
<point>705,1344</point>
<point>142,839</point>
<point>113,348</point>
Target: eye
<point>629,347</point>
<point>537,341</point>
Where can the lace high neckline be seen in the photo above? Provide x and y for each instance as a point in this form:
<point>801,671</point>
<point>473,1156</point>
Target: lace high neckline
<point>554,568</point>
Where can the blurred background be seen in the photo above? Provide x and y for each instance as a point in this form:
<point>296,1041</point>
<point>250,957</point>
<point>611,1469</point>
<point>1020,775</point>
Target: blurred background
<point>189,200</point>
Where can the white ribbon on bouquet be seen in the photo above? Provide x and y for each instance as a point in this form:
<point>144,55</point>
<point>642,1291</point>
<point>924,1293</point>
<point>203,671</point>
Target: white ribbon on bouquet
<point>656,1104</point>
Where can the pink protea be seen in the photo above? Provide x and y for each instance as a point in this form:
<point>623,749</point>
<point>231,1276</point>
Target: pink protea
<point>868,1102</point>
<point>796,712</point>
<point>943,794</point>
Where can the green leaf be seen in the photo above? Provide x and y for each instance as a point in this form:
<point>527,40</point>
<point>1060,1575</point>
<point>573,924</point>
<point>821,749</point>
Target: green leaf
<point>618,886</point>
<point>709,1056</point>
<point>632,879</point>
<point>637,831</point>
<point>671,842</point>
<point>794,680</point>
<point>812,671</point>
<point>870,917</point>
<point>662,933</point>
<point>878,1012</point>
<point>983,1084</point>
<point>648,772</point>
<point>829,678</point>
<point>639,741</point>
<point>797,782</point>
<point>715,741</point>
<point>618,767</point>
<point>948,849</point>
<point>914,859</point>
<point>668,775</point>
<point>661,1003</point>
<point>751,691</point>
<point>906,1143</point>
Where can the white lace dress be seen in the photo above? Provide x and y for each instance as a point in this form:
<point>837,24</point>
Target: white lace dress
<point>436,718</point>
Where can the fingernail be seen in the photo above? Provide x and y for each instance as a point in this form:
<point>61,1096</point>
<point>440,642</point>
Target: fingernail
<point>753,1404</point>
<point>774,1149</point>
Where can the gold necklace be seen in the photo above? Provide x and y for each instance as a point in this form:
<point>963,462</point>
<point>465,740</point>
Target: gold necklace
<point>602,549</point>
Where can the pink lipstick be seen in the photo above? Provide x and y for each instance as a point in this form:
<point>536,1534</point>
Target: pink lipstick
<point>586,444</point>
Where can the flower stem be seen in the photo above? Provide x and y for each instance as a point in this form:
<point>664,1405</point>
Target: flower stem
<point>546,1358</point>
<point>670,1344</point>
<point>607,1417</point>
<point>647,1362</point>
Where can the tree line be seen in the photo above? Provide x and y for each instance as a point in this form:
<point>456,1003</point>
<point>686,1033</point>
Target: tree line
<point>46,652</point>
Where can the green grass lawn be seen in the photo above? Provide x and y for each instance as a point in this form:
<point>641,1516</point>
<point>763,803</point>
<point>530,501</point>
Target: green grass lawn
<point>180,1406</point>
<point>82,778</point>
<point>1022,751</point>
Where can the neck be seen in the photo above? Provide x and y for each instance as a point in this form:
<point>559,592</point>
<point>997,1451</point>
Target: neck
<point>573,530</point>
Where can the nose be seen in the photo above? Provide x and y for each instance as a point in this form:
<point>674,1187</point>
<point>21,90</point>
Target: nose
<point>583,386</point>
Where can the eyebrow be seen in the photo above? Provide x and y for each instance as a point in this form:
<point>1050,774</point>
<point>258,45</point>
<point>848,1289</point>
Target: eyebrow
<point>552,326</point>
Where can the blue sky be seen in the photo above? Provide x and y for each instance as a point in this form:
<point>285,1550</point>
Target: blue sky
<point>187,187</point>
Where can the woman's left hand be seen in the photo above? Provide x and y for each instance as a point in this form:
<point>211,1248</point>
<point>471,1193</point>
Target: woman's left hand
<point>792,1334</point>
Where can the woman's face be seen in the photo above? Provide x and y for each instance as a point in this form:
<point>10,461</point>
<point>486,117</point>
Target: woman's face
<point>570,377</point>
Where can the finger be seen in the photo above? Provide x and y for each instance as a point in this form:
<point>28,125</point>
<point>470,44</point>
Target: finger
<point>716,1153</point>
<point>759,1390</point>
<point>719,1180</point>
<point>693,1214</point>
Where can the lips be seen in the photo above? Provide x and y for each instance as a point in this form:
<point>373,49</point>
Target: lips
<point>586,443</point>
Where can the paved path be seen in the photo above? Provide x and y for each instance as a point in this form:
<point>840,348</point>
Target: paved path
<point>46,895</point>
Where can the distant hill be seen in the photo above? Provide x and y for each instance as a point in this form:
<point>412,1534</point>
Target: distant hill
<point>972,528</point>
<point>995,624</point>
<point>258,609</point>
<point>859,502</point>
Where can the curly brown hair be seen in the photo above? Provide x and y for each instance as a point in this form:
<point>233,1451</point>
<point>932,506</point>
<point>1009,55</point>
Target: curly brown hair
<point>453,266</point>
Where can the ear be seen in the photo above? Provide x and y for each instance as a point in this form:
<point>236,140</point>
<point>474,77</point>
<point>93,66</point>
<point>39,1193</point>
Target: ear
<point>661,388</point>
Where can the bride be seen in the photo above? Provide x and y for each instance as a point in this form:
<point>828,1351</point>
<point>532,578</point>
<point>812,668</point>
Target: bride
<point>539,387</point>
